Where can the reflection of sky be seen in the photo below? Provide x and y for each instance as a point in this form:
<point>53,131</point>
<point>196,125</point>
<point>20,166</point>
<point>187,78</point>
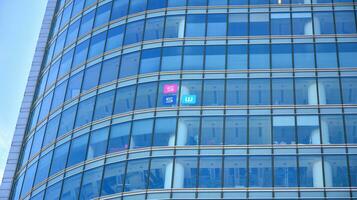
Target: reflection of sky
<point>20,23</point>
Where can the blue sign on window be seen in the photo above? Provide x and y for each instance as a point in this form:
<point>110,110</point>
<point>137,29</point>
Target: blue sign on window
<point>188,99</point>
<point>169,100</point>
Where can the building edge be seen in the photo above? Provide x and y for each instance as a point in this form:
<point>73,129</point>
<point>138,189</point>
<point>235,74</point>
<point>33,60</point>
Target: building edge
<point>20,128</point>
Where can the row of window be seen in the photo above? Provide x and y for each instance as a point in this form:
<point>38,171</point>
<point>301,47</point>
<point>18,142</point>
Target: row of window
<point>119,8</point>
<point>230,92</point>
<point>209,25</point>
<point>218,57</point>
<point>197,172</point>
<point>186,131</point>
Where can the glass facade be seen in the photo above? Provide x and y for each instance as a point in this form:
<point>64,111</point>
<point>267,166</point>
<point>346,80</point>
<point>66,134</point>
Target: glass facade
<point>194,99</point>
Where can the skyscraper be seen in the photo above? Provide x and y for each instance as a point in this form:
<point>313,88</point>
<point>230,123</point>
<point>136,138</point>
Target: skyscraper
<point>190,99</point>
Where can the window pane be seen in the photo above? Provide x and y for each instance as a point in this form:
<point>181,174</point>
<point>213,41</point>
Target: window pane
<point>91,77</point>
<point>197,2</point>
<point>212,131</point>
<point>53,192</point>
<point>310,171</point>
<point>134,32</point>
<point>37,141</point>
<point>281,56</point>
<point>160,176</point>
<point>308,130</point>
<point>67,120</point>
<point>124,100</point>
<point>120,9</point>
<point>91,183</point>
<point>284,130</point>
<point>165,132</point>
<point>185,174</point>
<point>259,24</point>
<point>113,178</point>
<point>97,143</point>
<point>43,168</point>
<point>156,4</point>
<point>326,56</point>
<point>171,58</point>
<point>236,131</point>
<point>146,95</point>
<point>282,91</point>
<point>210,174</point>
<point>304,56</point>
<point>259,92</point>
<point>236,92</point>
<point>345,22</point>
<point>66,63</point>
<point>332,129</point>
<point>187,131</point>
<point>215,57</point>
<point>260,171</point>
<point>191,92</point>
<point>51,130</point>
<point>175,26</point>
<point>285,171</point>
<point>259,130</point>
<point>235,172</point>
<point>259,57</point>
<point>329,91</point>
<point>349,90</point>
<point>353,169</point>
<point>168,92</point>
<point>280,24</point>
<point>81,54</point>
<point>302,23</point>
<point>154,28</point>
<point>97,45</point>
<point>175,3</point>
<point>59,155</point>
<point>28,180</point>
<point>104,105</point>
<point>237,57</point>
<point>137,6</point>
<point>102,14</point>
<point>323,23</point>
<point>141,134</point>
<point>306,91</point>
<point>78,150</point>
<point>196,26</point>
<point>238,25</point>
<point>347,54</point>
<point>85,112</point>
<point>136,175</point>
<point>193,58</point>
<point>213,94</point>
<point>150,60</point>
<point>351,128</point>
<point>129,64</point>
<point>115,38</point>
<point>119,137</point>
<point>110,70</point>
<point>71,187</point>
<point>217,25</point>
<point>86,23</point>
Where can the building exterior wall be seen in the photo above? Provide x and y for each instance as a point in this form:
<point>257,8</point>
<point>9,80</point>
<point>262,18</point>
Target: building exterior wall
<point>196,99</point>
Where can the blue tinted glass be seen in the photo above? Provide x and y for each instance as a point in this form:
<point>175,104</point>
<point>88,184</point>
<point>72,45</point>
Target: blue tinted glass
<point>104,105</point>
<point>164,135</point>
<point>285,171</point>
<point>51,130</point>
<point>119,137</point>
<point>282,91</point>
<point>308,131</point>
<point>120,9</point>
<point>175,3</point>
<point>124,100</point>
<point>259,24</point>
<point>134,32</point>
<point>110,70</point>
<point>43,168</point>
<point>306,91</point>
<point>280,24</point>
<point>197,2</point>
<point>351,128</point>
<point>345,22</point>
<point>156,4</point>
<point>284,130</point>
<point>235,171</point>
<point>91,77</point>
<point>129,64</point>
<point>323,23</point>
<point>353,169</point>
<point>217,25</point>
<point>187,131</point>
<point>255,2</point>
<point>52,75</point>
<point>59,155</point>
<point>210,174</point>
<point>87,23</point>
<point>175,26</point>
<point>66,63</point>
<point>71,187</point>
<point>91,182</point>
<point>213,93</point>
<point>191,92</point>
<point>37,141</point>
<point>150,60</point>
<point>259,56</point>
<point>72,32</point>
<point>237,57</point>
<point>236,92</point>
<point>349,90</point>
<point>304,56</point>
<point>259,130</point>
<point>238,2</point>
<point>154,28</point>
<point>326,56</point>
<point>115,38</point>
<point>212,127</point>
<point>53,192</point>
<point>302,23</point>
<point>28,180</point>
<point>136,174</point>
<point>146,96</point>
<point>103,14</point>
<point>67,120</point>
<point>113,178</point>
<point>281,56</point>
<point>332,129</point>
<point>308,165</point>
<point>66,14</point>
<point>171,58</point>
<point>45,107</point>
<point>77,7</point>
<point>185,172</point>
<point>60,43</point>
<point>336,168</point>
<point>81,53</point>
<point>347,54</point>
<point>137,6</point>
<point>196,26</point>
<point>215,57</point>
<point>329,91</point>
<point>193,58</point>
<point>97,45</point>
<point>238,25</point>
<point>141,133</point>
<point>74,86</point>
<point>160,176</point>
<point>260,171</point>
<point>78,150</point>
<point>85,112</point>
<point>217,2</point>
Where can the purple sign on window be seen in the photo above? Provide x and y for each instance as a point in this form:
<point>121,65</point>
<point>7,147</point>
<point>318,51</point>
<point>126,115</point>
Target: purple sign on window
<point>170,88</point>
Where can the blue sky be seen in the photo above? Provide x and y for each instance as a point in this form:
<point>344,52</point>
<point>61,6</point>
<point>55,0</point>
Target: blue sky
<point>20,23</point>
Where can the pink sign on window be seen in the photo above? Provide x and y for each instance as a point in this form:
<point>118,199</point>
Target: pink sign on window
<point>170,88</point>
